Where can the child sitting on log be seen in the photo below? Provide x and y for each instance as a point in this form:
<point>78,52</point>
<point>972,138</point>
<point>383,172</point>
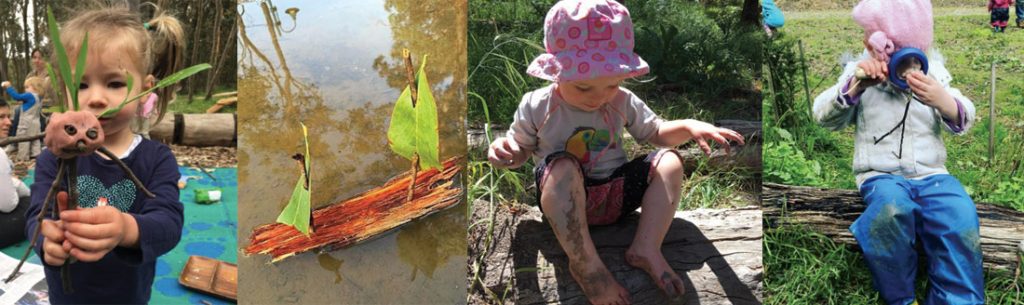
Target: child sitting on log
<point>899,159</point>
<point>573,128</point>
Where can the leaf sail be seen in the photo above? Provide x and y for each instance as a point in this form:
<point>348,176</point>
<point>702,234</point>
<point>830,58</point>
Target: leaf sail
<point>413,130</point>
<point>298,211</point>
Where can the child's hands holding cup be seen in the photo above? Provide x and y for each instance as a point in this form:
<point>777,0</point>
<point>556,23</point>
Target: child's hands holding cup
<point>505,153</point>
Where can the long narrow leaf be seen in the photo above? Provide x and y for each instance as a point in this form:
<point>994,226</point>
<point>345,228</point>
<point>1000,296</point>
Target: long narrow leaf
<point>62,58</point>
<point>426,122</point>
<point>169,80</point>
<point>61,102</point>
<point>129,82</point>
<point>80,69</point>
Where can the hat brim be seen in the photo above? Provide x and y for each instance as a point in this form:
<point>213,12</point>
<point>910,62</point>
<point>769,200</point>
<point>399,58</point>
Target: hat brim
<point>573,65</point>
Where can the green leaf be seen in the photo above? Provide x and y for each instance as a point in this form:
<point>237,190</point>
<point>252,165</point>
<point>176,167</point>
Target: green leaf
<point>80,69</point>
<point>413,130</point>
<point>298,211</point>
<point>61,102</point>
<point>62,58</point>
<point>167,81</point>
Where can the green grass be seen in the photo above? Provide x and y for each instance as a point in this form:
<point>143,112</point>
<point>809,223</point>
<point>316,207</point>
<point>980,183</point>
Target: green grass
<point>804,267</point>
<point>199,104</point>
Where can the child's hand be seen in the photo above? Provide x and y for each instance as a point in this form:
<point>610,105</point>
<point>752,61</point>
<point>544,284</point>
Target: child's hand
<point>504,153</point>
<point>931,93</point>
<point>5,84</point>
<point>875,72</point>
<point>54,253</point>
<point>700,132</point>
<point>95,231</point>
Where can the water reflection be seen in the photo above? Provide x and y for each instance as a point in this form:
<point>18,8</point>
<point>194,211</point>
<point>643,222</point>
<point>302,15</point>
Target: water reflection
<point>337,67</point>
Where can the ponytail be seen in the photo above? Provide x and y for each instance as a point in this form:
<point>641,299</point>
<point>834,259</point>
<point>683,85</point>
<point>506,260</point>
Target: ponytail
<point>167,48</point>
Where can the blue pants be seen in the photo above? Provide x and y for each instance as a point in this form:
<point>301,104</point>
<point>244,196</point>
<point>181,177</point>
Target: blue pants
<point>935,211</point>
<point>1020,11</point>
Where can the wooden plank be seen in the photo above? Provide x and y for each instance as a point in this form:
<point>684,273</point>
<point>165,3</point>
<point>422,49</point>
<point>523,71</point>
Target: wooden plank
<point>717,253</point>
<point>365,216</point>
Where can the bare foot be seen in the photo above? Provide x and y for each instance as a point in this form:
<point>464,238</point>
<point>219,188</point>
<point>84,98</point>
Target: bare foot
<point>656,266</point>
<point>598,284</point>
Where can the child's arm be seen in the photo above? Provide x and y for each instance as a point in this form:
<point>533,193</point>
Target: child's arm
<point>521,140</point>
<point>27,99</point>
<point>957,110</point>
<point>835,107</point>
<point>674,133</point>
<point>134,237</point>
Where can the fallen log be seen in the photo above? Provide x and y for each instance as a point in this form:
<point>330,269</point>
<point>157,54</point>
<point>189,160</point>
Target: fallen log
<point>205,129</point>
<point>221,103</point>
<point>363,217</point>
<point>831,211</point>
<point>717,253</point>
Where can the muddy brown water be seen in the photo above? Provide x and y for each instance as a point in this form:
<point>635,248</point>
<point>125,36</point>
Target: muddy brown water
<point>337,68</point>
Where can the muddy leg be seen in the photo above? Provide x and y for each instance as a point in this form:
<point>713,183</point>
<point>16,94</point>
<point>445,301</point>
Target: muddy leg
<point>658,210</point>
<point>564,201</point>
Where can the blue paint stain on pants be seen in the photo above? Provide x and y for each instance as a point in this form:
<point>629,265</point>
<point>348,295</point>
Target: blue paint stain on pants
<point>935,210</point>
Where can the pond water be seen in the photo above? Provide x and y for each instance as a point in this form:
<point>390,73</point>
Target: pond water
<point>336,66</point>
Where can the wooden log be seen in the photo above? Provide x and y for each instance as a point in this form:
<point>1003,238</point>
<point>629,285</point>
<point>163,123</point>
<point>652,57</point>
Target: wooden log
<point>206,129</point>
<point>746,157</point>
<point>221,103</point>
<point>831,211</point>
<point>717,253</point>
<point>363,217</point>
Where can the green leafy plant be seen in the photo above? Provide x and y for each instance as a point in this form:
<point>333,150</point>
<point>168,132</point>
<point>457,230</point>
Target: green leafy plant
<point>784,163</point>
<point>298,211</point>
<point>413,130</point>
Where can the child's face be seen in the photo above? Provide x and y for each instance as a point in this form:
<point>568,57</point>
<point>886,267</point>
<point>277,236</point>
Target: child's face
<point>591,94</point>
<point>104,86</point>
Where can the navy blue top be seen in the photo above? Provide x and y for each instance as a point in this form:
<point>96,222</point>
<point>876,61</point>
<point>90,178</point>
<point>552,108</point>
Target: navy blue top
<point>123,276</point>
<point>28,99</point>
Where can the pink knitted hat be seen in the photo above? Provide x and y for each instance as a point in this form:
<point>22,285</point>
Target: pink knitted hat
<point>587,39</point>
<point>895,24</point>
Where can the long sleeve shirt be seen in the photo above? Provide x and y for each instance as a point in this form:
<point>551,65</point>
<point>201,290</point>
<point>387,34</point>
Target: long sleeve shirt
<point>124,275</point>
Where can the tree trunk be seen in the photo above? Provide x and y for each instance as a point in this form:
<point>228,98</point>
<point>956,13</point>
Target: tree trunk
<point>232,35</point>
<point>751,14</point>
<point>831,211</point>
<point>192,59</point>
<point>217,129</point>
<point>717,253</point>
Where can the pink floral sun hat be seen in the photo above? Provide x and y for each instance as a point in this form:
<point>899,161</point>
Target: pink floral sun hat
<point>587,39</point>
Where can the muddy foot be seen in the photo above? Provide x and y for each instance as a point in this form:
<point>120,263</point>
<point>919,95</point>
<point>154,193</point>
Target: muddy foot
<point>659,270</point>
<point>599,285</point>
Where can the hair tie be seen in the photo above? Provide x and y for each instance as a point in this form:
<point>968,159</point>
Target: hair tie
<point>145,25</point>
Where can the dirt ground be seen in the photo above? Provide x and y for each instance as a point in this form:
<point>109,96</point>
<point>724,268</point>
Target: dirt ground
<point>205,157</point>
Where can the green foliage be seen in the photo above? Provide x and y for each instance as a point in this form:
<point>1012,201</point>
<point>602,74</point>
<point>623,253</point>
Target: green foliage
<point>299,210</point>
<point>1011,191</point>
<point>701,48</point>
<point>784,163</point>
<point>413,130</point>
